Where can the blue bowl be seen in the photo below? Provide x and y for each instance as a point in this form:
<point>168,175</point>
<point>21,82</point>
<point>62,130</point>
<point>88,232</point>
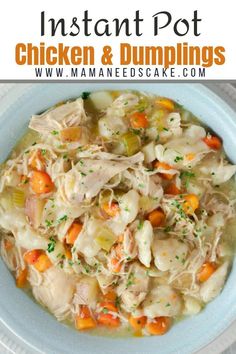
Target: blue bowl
<point>30,322</point>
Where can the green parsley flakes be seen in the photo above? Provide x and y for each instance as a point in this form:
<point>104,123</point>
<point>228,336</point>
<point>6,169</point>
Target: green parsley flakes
<point>55,132</point>
<point>51,245</point>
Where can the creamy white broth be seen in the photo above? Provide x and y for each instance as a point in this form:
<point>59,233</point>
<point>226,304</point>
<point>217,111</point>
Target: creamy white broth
<point>109,189</point>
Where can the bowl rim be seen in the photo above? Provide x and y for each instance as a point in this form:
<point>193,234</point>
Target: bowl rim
<point>27,88</point>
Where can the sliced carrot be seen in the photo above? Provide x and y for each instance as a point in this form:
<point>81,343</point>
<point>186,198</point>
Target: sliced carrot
<point>206,271</point>
<point>156,218</point>
<point>191,203</point>
<point>73,232</point>
<point>68,253</point>
<point>116,265</point>
<point>108,305</point>
<point>137,322</point>
<point>43,263</point>
<point>85,323</point>
<point>107,319</point>
<point>8,245</point>
<point>159,326</point>
<point>165,103</point>
<point>111,209</point>
<point>164,166</point>
<point>138,120</point>
<point>120,238</point>
<point>85,311</point>
<point>36,160</point>
<point>119,250</point>
<point>172,189</point>
<point>110,296</point>
<point>41,182</point>
<point>70,134</point>
<point>119,253</point>
<point>21,278</point>
<point>32,256</point>
<point>213,142</point>
<point>85,320</point>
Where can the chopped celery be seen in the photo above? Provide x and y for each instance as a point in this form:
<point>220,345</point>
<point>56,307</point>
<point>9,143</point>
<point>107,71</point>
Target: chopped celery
<point>131,142</point>
<point>146,203</point>
<point>105,238</point>
<point>18,198</point>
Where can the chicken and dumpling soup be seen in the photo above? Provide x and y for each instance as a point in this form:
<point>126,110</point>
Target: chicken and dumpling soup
<point>117,210</point>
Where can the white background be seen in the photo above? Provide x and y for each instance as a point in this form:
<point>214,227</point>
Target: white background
<point>20,22</point>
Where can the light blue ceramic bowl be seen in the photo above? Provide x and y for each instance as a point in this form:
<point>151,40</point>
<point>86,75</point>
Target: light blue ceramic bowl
<point>38,328</point>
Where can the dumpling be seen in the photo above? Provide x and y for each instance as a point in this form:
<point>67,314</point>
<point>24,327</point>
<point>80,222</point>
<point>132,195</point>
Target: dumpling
<point>173,121</point>
<point>184,151</point>
<point>192,306</point>
<point>134,288</point>
<point>129,206</point>
<point>195,132</point>
<point>144,237</point>
<point>101,99</point>
<point>149,152</point>
<point>162,301</point>
<point>219,173</point>
<point>169,254</point>
<point>213,286</point>
<point>110,127</point>
<point>55,291</point>
<point>86,243</point>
